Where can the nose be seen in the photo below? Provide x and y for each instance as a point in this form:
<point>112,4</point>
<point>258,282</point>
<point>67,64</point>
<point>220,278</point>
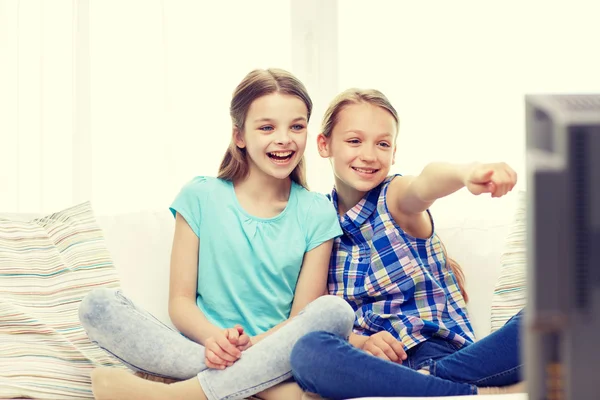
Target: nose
<point>367,154</point>
<point>282,137</point>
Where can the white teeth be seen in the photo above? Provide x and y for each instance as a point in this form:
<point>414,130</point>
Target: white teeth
<point>281,153</point>
<point>364,170</point>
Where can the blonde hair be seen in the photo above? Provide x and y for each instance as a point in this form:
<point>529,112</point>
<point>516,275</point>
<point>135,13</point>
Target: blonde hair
<point>377,98</point>
<point>258,83</point>
<point>355,96</point>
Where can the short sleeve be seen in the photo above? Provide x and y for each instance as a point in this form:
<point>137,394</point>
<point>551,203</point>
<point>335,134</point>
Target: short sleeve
<point>189,201</point>
<point>322,222</point>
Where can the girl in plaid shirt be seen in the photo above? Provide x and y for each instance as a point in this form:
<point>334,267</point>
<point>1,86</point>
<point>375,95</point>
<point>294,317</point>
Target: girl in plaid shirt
<point>412,335</point>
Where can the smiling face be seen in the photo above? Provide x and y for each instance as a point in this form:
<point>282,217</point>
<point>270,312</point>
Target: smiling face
<point>274,134</point>
<point>361,146</point>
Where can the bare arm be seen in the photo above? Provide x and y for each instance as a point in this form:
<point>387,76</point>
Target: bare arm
<point>184,313</point>
<point>311,284</point>
<point>409,197</point>
<point>414,195</point>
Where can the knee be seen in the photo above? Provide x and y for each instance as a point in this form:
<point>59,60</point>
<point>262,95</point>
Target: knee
<point>95,306</point>
<point>307,356</point>
<point>334,315</point>
<point>308,347</point>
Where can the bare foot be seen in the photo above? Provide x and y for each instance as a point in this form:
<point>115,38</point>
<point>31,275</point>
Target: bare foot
<point>311,396</point>
<point>282,391</point>
<point>154,378</point>
<point>516,388</point>
<point>119,384</point>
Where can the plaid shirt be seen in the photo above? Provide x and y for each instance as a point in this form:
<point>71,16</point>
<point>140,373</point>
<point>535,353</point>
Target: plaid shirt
<point>395,282</point>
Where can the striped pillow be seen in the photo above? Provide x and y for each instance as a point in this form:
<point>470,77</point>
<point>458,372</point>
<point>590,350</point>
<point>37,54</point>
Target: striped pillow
<point>46,267</point>
<point>510,292</point>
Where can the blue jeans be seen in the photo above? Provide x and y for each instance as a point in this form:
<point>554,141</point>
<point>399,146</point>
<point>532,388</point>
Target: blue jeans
<point>143,343</point>
<point>329,366</point>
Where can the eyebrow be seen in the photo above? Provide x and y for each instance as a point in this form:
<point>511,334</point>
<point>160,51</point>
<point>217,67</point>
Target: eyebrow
<point>362,133</point>
<point>272,120</point>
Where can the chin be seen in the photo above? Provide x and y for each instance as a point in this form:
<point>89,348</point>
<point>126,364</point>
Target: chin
<point>362,186</point>
<point>365,186</point>
<point>280,174</point>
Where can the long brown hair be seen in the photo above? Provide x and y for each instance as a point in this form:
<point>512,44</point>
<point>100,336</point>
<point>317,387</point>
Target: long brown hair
<point>376,98</point>
<point>258,83</point>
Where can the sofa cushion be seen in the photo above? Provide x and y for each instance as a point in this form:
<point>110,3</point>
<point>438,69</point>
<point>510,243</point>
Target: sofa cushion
<point>510,291</point>
<point>47,265</point>
<point>475,240</point>
<point>140,246</point>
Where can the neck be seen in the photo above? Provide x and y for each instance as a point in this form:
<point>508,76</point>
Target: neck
<point>264,187</point>
<point>347,196</point>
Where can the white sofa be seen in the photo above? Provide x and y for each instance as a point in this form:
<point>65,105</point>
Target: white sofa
<point>140,244</point>
<point>473,229</point>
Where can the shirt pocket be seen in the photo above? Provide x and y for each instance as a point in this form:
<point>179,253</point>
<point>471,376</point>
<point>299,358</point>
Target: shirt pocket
<point>348,271</point>
<point>392,266</point>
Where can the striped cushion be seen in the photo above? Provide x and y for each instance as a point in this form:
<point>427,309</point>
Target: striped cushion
<point>510,292</point>
<point>46,267</point>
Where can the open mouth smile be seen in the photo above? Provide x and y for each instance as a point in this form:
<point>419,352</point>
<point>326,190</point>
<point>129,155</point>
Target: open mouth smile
<point>281,157</point>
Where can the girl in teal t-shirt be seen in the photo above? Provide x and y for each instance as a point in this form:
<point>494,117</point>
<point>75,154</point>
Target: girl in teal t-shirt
<point>248,267</point>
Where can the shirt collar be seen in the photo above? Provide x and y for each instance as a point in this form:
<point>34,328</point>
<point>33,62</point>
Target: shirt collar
<point>362,210</point>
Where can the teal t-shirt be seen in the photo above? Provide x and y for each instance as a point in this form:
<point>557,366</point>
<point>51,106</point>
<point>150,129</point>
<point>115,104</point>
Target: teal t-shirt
<point>248,266</point>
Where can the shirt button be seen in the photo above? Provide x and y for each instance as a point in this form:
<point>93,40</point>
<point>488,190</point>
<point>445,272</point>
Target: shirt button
<point>359,259</point>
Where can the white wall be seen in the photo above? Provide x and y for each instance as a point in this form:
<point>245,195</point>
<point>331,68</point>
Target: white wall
<point>36,104</point>
<point>457,71</point>
<point>122,102</point>
<point>161,92</point>
<point>158,78</point>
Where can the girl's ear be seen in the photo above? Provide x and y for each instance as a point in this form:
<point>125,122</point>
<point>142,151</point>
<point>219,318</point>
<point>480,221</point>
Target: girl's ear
<point>394,156</point>
<point>323,146</point>
<point>238,137</point>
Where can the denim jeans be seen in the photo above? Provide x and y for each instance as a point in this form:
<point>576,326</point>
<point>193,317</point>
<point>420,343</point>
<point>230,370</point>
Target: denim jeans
<point>143,343</point>
<point>328,365</point>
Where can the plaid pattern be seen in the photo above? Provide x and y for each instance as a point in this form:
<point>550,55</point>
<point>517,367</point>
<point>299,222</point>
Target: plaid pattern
<point>395,282</point>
